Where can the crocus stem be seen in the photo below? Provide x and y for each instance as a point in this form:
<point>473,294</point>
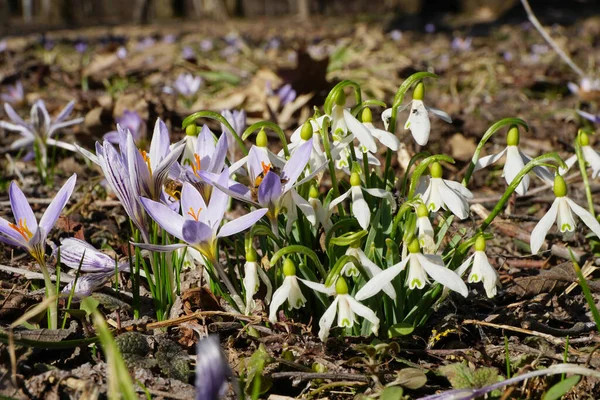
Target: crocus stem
<point>239,304</point>
<point>50,291</point>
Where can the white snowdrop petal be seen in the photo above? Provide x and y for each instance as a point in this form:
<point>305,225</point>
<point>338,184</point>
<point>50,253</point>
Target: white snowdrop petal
<point>435,268</point>
<point>585,216</point>
<point>327,320</point>
<point>538,235</point>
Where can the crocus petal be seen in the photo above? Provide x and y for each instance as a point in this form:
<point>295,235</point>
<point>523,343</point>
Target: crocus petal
<point>65,124</point>
<point>591,117</point>
<point>159,146</point>
<point>435,268</point>
<point>218,202</point>
<point>65,112</point>
<point>75,252</point>
<point>327,320</point>
<point>21,143</point>
<point>364,312</point>
<point>242,223</point>
<point>168,219</point>
<point>213,178</point>
<point>10,236</point>
<point>360,208</point>
<point>212,369</point>
<point>360,131</point>
<point>295,165</point>
<point>139,172</point>
<point>196,232</point>
<point>269,191</point>
<point>166,248</point>
<point>61,144</point>
<point>376,283</point>
<point>256,160</point>
<point>217,160</point>
<point>486,161</point>
<point>192,203</point>
<point>21,208</point>
<point>58,203</point>
<point>585,216</point>
<point>14,117</point>
<point>23,129</point>
<point>418,123</point>
<point>161,171</point>
<point>538,235</point>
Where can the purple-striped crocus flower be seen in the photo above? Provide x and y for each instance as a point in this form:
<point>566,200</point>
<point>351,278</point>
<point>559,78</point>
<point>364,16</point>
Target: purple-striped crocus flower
<point>39,129</point>
<point>212,370</point>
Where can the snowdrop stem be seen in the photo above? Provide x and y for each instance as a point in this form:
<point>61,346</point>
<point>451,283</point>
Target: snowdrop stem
<point>357,109</point>
<point>327,147</point>
<point>538,161</point>
<point>213,115</point>
<point>406,85</point>
<point>272,126</point>
<point>486,136</point>
<point>414,180</point>
<point>584,176</point>
<point>333,94</point>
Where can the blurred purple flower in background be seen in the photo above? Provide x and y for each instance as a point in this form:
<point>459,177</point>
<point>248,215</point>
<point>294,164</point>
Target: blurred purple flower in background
<point>187,53</point>
<point>132,121</point>
<point>145,43</point>
<point>121,53</point>
<point>286,94</point>
<point>170,38</point>
<point>430,28</point>
<point>81,47</point>
<point>186,85</point>
<point>206,45</point>
<point>396,35</point>
<point>3,45</point>
<point>212,370</point>
<point>462,44</point>
<point>15,94</point>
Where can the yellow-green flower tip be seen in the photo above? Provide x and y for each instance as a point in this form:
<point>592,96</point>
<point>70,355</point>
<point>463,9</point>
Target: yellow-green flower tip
<point>261,138</point>
<point>480,243</point>
<point>341,287</point>
<point>313,192</point>
<point>251,255</point>
<point>340,99</point>
<point>422,211</point>
<point>513,137</point>
<point>355,179</point>
<point>584,139</point>
<point>366,115</point>
<point>318,367</point>
<point>560,187</point>
<point>289,268</point>
<point>419,91</point>
<point>414,246</point>
<point>307,131</point>
<point>191,130</point>
<point>436,170</point>
<point>288,355</point>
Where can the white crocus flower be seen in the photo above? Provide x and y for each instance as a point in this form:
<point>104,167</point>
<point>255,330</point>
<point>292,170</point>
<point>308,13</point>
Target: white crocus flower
<point>418,119</point>
<point>360,208</point>
<point>591,156</point>
<point>425,232</point>
<point>251,282</point>
<point>515,162</point>
<point>561,211</point>
<point>420,266</point>
<point>482,270</point>
<point>370,267</point>
<point>346,308</point>
<point>442,193</point>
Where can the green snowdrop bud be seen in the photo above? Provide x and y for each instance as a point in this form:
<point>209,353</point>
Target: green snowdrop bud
<point>513,136</point>
<point>419,91</point>
<point>313,193</point>
<point>341,287</point>
<point>422,211</point>
<point>355,179</point>
<point>560,187</point>
<point>307,131</point>
<point>584,139</point>
<point>289,268</point>
<point>191,130</point>
<point>480,243</point>
<point>414,246</point>
<point>340,99</point>
<point>367,115</point>
<point>261,138</point>
<point>251,255</point>
<point>436,170</point>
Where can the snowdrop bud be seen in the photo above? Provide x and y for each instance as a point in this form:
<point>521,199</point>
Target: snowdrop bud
<point>422,211</point>
<point>355,179</point>
<point>289,268</point>
<point>261,138</point>
<point>513,137</point>
<point>584,139</point>
<point>251,255</point>
<point>341,287</point>
<point>560,187</point>
<point>480,244</point>
<point>419,91</point>
<point>191,130</point>
<point>340,99</point>
<point>307,131</point>
<point>414,246</point>
<point>367,115</point>
<point>436,170</point>
<point>313,193</point>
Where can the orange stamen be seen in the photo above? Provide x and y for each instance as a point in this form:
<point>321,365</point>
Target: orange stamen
<point>22,229</point>
<point>146,158</point>
<point>194,214</point>
<point>266,167</point>
<point>196,165</point>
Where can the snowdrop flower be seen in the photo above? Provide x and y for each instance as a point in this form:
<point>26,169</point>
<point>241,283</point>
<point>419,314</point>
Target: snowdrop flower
<point>130,120</point>
<point>39,130</point>
<point>309,131</point>
<point>561,211</point>
<point>360,208</point>
<point>289,290</point>
<point>482,270</point>
<point>212,369</point>
<point>26,232</point>
<point>591,156</point>
<point>418,119</point>
<point>251,282</point>
<point>369,266</point>
<point>15,94</point>
<point>344,124</point>
<point>322,216</point>
<point>442,193</point>
<point>346,308</point>
<point>515,162</point>
<point>425,232</point>
<point>420,266</point>
<point>386,138</point>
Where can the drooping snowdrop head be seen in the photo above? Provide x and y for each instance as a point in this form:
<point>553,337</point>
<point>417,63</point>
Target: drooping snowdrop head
<point>446,194</point>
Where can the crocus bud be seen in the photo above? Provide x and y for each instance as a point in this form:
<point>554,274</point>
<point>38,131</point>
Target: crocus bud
<point>422,211</point>
<point>191,130</point>
<point>419,91</point>
<point>414,246</point>
<point>480,243</point>
<point>367,115</point>
<point>261,138</point>
<point>436,170</point>
<point>584,139</point>
<point>340,99</point>
<point>560,187</point>
<point>341,287</point>
<point>289,268</point>
<point>307,131</point>
<point>513,137</point>
<point>355,179</point>
<point>212,369</point>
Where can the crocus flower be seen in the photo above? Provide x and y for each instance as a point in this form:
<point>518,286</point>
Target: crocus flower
<point>204,156</point>
<point>87,284</point>
<point>561,211</point>
<point>418,119</point>
<point>515,162</point>
<point>187,85</point>
<point>586,85</point>
<point>121,53</point>
<point>15,94</point>
<point>237,120</point>
<point>81,47</point>
<point>462,44</point>
<point>346,308</point>
<point>482,270</point>
<point>26,232</point>
<point>591,156</point>
<point>187,53</point>
<point>286,94</point>
<point>360,208</point>
<point>130,120</point>
<point>212,370</point>
<point>3,45</point>
<point>442,193</point>
<point>39,129</point>
<point>395,35</point>
<point>419,267</point>
<point>309,131</point>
